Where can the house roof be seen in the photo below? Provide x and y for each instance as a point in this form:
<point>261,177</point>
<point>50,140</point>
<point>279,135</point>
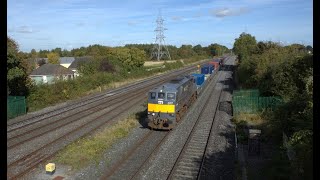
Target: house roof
<point>51,69</point>
<point>66,60</point>
<point>78,60</point>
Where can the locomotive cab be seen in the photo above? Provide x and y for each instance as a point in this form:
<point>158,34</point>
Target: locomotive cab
<point>166,101</point>
<point>161,108</point>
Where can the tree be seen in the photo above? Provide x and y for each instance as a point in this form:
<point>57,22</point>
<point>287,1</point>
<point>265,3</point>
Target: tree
<point>65,53</point>
<point>33,53</point>
<point>41,62</point>
<point>244,46</point>
<point>309,48</point>
<point>216,49</point>
<point>53,58</point>
<point>17,78</point>
<point>138,57</point>
<point>57,50</point>
<point>199,50</point>
<point>186,51</point>
<point>43,53</point>
<point>106,66</point>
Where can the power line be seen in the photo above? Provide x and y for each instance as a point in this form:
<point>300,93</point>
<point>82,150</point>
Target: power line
<point>160,49</point>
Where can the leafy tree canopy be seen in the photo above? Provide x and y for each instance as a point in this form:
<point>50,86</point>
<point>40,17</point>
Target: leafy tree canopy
<point>244,46</point>
<point>17,77</point>
<point>53,58</point>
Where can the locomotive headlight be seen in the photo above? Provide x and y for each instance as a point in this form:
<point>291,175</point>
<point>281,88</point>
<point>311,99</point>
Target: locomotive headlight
<point>171,115</point>
<point>153,114</point>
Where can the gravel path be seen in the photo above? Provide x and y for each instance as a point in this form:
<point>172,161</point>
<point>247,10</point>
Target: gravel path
<point>220,155</point>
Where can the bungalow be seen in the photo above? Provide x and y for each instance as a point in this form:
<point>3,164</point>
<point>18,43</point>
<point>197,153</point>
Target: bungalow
<point>48,73</point>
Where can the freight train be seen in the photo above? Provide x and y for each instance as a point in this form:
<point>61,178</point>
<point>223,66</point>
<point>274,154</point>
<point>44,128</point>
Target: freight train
<point>169,102</point>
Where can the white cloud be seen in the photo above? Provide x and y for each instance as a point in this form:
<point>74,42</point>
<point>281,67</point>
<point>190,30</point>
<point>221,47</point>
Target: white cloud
<point>132,23</point>
<point>22,29</point>
<point>229,12</point>
<point>176,18</point>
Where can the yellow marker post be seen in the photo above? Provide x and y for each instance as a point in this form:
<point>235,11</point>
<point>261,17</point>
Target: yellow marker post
<point>50,168</point>
<point>198,67</point>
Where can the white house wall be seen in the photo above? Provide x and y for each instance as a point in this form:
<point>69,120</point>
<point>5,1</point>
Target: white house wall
<point>66,65</point>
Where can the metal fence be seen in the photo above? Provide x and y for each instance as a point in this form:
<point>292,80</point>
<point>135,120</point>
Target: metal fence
<point>249,101</point>
<point>247,93</point>
<point>16,105</point>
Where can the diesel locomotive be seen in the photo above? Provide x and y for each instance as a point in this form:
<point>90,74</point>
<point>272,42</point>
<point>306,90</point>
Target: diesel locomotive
<point>168,102</point>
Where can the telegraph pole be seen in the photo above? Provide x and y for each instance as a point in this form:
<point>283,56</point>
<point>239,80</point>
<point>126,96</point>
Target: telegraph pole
<point>160,49</point>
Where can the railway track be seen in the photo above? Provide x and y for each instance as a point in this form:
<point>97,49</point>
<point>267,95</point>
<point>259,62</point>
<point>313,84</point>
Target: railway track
<point>53,124</point>
<point>130,165</point>
<point>188,165</point>
<point>22,165</point>
<point>190,161</point>
<point>86,101</point>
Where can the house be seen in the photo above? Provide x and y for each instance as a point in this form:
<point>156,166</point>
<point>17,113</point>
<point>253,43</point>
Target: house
<point>48,73</point>
<point>79,60</point>
<point>66,61</point>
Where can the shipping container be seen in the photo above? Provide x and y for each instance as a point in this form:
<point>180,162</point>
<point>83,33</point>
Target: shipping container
<point>217,60</point>
<point>205,69</point>
<point>199,78</point>
<point>215,64</point>
<point>211,68</point>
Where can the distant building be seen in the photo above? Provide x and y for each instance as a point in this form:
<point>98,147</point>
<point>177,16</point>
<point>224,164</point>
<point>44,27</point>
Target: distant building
<point>66,61</point>
<point>48,73</point>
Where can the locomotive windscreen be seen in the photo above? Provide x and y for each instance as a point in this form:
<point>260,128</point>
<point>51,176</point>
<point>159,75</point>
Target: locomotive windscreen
<point>177,80</point>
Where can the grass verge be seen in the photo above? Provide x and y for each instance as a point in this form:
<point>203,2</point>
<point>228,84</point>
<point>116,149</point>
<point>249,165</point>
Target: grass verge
<point>90,149</point>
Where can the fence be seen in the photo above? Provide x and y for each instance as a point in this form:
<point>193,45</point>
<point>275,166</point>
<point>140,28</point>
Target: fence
<point>16,105</point>
<point>247,93</point>
<point>249,101</point>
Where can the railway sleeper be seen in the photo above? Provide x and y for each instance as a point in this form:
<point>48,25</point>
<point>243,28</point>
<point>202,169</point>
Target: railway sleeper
<point>191,173</point>
<point>184,163</point>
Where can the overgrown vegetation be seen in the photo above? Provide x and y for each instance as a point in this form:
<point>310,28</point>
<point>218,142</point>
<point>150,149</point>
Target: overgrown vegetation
<point>285,71</point>
<point>97,75</point>
<point>90,149</point>
<point>107,66</point>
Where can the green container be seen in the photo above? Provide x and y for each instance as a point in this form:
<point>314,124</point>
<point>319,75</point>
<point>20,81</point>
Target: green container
<point>16,106</point>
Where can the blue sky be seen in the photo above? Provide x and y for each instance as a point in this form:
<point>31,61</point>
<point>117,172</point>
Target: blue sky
<point>74,23</point>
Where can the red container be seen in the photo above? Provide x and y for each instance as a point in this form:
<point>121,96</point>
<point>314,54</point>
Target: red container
<point>216,64</point>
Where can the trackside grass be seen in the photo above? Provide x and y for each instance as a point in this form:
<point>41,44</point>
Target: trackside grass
<point>90,149</point>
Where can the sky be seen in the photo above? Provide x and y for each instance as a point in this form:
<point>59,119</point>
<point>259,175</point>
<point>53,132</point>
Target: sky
<point>69,24</point>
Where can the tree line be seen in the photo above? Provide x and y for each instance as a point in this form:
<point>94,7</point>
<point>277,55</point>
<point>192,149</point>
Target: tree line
<point>104,66</point>
<point>184,51</point>
<point>285,71</point>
